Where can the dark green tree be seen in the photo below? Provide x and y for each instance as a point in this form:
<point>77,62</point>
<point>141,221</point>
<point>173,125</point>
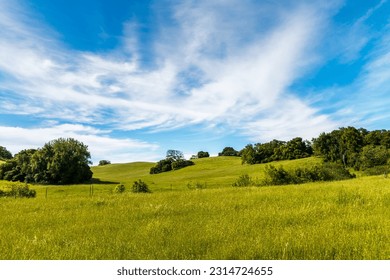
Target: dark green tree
<point>202,154</point>
<point>228,151</point>
<point>173,161</point>
<point>104,162</point>
<point>248,154</point>
<point>372,155</point>
<point>67,162</point>
<point>4,153</point>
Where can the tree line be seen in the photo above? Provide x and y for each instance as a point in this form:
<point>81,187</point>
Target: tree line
<point>66,161</point>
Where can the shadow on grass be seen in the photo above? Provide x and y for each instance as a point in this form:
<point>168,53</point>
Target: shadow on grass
<point>97,181</point>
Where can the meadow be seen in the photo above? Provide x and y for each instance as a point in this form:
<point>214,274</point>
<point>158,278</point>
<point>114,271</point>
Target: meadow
<point>328,220</point>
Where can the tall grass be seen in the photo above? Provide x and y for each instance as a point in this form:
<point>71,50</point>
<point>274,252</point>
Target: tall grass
<point>337,220</point>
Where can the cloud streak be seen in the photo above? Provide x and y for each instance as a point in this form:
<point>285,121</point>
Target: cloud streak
<point>226,64</point>
<point>99,143</point>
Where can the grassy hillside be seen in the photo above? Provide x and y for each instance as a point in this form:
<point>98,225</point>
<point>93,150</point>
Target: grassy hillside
<point>336,220</point>
<point>216,172</point>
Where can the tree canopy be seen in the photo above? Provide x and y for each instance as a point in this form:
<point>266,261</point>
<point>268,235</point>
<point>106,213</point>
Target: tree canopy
<point>228,151</point>
<point>353,147</point>
<point>4,153</point>
<point>276,150</point>
<point>174,160</point>
<point>61,161</point>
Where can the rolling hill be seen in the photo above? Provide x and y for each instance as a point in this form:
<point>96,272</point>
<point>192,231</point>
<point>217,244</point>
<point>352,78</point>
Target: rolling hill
<point>215,172</point>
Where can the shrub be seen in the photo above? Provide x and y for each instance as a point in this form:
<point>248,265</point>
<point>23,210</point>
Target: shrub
<point>377,170</point>
<point>163,165</point>
<point>19,190</point>
<point>196,186</point>
<point>140,187</point>
<point>181,164</point>
<point>324,172</point>
<point>278,176</point>
<point>243,181</point>
<point>120,188</point>
<point>169,164</point>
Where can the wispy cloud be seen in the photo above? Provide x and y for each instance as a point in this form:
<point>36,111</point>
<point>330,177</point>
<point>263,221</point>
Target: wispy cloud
<point>216,62</point>
<point>99,143</point>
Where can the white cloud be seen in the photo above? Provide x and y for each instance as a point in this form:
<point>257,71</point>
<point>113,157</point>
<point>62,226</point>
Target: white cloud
<point>242,59</point>
<point>99,144</point>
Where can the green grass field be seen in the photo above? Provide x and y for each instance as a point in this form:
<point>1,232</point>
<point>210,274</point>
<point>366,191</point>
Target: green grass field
<point>337,220</point>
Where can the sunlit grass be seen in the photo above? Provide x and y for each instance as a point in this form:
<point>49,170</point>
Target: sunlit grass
<point>337,220</point>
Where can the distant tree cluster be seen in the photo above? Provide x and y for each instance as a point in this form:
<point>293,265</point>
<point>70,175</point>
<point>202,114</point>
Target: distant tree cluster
<point>229,152</point>
<point>357,148</point>
<point>174,160</point>
<point>4,153</point>
<point>202,154</point>
<point>276,150</point>
<point>61,161</point>
<point>104,162</point>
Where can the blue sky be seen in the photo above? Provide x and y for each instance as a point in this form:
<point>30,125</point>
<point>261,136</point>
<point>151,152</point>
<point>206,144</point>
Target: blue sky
<point>132,79</point>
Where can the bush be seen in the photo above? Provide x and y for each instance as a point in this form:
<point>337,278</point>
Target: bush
<point>196,186</point>
<point>377,170</point>
<point>140,187</point>
<point>243,181</point>
<point>278,176</point>
<point>181,164</point>
<point>169,164</point>
<point>104,162</point>
<point>324,172</point>
<point>163,165</point>
<point>120,188</point>
<point>19,190</point>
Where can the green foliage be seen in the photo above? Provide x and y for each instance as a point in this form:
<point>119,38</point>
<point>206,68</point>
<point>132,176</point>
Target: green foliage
<point>343,145</point>
<point>293,149</point>
<point>202,154</point>
<point>61,161</point>
<point>276,150</point>
<point>229,151</point>
<point>377,138</point>
<point>196,186</point>
<point>325,172</point>
<point>181,164</point>
<point>373,156</point>
<point>377,170</point>
<point>163,165</point>
<point>243,181</point>
<point>18,168</point>
<point>174,161</point>
<point>104,162</point>
<point>18,190</point>
<point>278,176</point>
<point>140,187</point>
<point>120,188</point>
<point>4,153</point>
